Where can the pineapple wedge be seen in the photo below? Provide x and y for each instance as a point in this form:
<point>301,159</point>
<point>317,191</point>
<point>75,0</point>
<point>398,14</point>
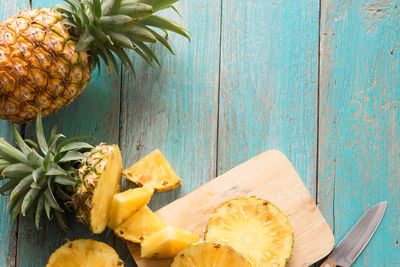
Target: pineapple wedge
<point>167,242</point>
<point>99,180</point>
<point>85,252</point>
<point>209,254</point>
<point>254,227</point>
<point>139,226</point>
<point>153,170</point>
<point>127,203</point>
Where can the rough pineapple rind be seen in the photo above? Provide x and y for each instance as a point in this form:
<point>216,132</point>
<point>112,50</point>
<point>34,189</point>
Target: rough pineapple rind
<point>256,228</point>
<point>39,66</point>
<point>127,203</point>
<point>139,226</point>
<point>153,170</point>
<point>85,252</point>
<point>100,180</point>
<point>167,242</point>
<point>209,254</point>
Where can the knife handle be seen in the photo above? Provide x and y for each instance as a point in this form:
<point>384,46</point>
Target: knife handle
<point>329,263</point>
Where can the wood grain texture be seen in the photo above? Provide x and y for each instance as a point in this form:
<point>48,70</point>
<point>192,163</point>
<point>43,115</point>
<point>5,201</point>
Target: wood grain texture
<point>174,108</point>
<point>95,113</point>
<point>269,76</point>
<point>271,176</point>
<point>8,228</point>
<point>359,151</point>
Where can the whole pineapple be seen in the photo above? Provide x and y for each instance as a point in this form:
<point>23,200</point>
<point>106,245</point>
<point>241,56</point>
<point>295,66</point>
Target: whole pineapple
<point>52,177</point>
<point>47,56</point>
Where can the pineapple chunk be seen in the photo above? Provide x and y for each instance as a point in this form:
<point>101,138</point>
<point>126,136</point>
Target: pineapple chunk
<point>209,254</point>
<point>254,227</point>
<point>139,226</point>
<point>85,252</point>
<point>155,171</point>
<point>167,242</point>
<point>127,203</point>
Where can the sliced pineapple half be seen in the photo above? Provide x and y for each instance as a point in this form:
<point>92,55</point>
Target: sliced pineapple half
<point>99,178</point>
<point>85,252</point>
<point>127,203</point>
<point>209,254</point>
<point>256,228</point>
<point>167,242</point>
<point>153,170</point>
<point>139,226</point>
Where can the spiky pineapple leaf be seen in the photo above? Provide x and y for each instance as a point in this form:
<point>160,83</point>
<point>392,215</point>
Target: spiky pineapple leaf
<point>40,134</point>
<point>20,142</point>
<point>64,180</point>
<point>105,28</point>
<point>8,185</point>
<point>17,170</point>
<point>166,24</point>
<point>39,211</point>
<point>72,156</point>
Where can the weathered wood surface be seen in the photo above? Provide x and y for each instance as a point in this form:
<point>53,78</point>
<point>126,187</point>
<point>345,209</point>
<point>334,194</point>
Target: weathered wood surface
<point>250,80</point>
<point>175,108</point>
<point>359,145</point>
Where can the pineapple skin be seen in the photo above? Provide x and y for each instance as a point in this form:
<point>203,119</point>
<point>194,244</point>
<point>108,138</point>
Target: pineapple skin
<point>85,252</point>
<point>39,66</point>
<point>99,180</point>
<point>209,254</point>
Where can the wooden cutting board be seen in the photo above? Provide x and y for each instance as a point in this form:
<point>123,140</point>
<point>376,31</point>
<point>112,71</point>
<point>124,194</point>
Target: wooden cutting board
<point>270,176</point>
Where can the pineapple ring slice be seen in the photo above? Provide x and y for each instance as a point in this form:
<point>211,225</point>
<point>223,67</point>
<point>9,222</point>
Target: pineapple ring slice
<point>153,170</point>
<point>85,252</point>
<point>256,228</point>
<point>209,254</point>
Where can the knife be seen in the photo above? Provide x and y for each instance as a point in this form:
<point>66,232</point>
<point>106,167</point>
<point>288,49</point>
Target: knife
<point>355,241</point>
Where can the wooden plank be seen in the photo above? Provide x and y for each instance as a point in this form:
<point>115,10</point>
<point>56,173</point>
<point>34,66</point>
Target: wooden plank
<point>95,113</point>
<point>8,228</point>
<point>174,108</point>
<point>269,76</point>
<point>359,152</point>
<point>269,175</point>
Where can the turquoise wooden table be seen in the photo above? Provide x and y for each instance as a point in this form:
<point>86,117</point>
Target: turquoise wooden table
<point>318,80</point>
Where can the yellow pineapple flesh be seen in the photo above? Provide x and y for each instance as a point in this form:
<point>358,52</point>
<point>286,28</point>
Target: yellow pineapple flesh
<point>167,242</point>
<point>127,203</point>
<point>209,254</point>
<point>85,252</point>
<point>39,66</point>
<point>153,170</point>
<point>139,226</point>
<point>254,227</point>
<point>99,180</point>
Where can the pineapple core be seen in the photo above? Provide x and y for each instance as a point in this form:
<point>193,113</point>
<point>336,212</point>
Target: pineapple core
<point>127,203</point>
<point>167,242</point>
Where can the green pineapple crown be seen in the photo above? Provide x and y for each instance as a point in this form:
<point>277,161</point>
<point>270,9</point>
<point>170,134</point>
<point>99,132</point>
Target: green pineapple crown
<point>41,176</point>
<point>107,27</point>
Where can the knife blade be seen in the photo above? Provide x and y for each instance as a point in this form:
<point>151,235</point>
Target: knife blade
<point>357,238</point>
